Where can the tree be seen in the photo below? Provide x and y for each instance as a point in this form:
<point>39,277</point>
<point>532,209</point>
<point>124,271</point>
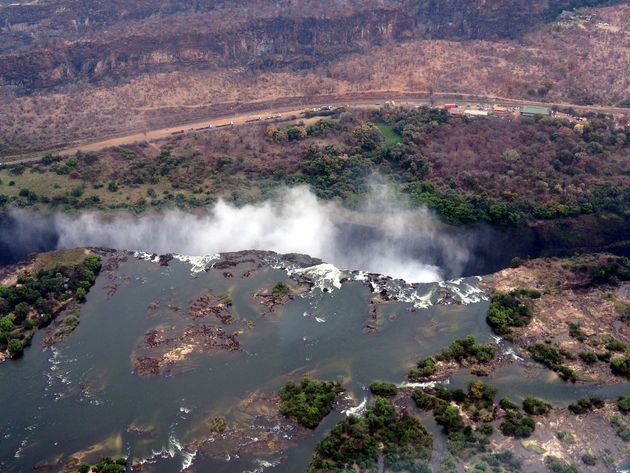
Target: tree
<point>15,346</point>
<point>367,136</point>
<point>621,366</point>
<point>21,312</point>
<point>6,324</point>
<point>535,406</point>
<point>80,294</point>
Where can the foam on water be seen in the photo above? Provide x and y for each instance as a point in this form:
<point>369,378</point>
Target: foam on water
<point>464,292</point>
<point>153,258</point>
<point>325,276</point>
<point>356,410</point>
<point>198,263</point>
<point>424,385</point>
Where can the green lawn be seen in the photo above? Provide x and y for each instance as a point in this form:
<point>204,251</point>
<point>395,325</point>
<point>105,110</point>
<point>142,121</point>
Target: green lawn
<point>391,137</point>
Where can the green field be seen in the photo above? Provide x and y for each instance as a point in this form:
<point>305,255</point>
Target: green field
<point>391,137</point>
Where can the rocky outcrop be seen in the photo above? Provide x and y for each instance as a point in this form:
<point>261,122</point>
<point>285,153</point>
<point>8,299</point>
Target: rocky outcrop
<point>47,44</point>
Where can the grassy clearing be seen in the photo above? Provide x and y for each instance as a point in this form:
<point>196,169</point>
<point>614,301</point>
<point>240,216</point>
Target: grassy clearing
<point>55,259</point>
<point>391,137</point>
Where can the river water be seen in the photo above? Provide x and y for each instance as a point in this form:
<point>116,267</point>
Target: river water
<point>83,399</point>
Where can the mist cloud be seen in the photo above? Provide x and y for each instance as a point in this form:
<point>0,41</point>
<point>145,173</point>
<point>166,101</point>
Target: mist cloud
<point>387,237</point>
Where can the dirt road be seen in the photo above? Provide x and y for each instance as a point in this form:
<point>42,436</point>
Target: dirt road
<point>285,108</point>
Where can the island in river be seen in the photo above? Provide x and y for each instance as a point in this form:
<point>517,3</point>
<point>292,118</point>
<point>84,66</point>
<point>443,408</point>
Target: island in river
<point>197,364</point>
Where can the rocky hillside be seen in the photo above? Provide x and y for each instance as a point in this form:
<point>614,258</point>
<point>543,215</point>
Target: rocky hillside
<point>55,43</point>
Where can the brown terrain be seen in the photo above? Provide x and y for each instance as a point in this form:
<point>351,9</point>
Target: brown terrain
<point>86,71</point>
<point>570,297</point>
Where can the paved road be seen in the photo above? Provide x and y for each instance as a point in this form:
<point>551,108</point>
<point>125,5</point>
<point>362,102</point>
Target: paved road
<point>366,100</point>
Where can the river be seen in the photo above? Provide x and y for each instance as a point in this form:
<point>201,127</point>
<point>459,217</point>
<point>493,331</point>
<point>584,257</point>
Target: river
<point>83,399</point>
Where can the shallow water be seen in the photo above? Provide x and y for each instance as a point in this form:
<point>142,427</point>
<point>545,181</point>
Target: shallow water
<point>82,393</point>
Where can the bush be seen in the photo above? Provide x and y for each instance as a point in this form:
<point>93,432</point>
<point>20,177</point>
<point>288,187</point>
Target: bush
<point>423,400</point>
<point>517,425</point>
<point>623,404</point>
<point>535,406</point>
<point>575,331</point>
<point>613,344</point>
<point>588,357</point>
<point>566,373</point>
<point>545,354</point>
<point>310,401</point>
<point>280,290</point>
<point>449,417</point>
<point>383,388</point>
<point>465,349</point>
<point>109,465</point>
<point>621,428</point>
<point>507,311</point>
<point>15,346</point>
<point>425,368</point>
<point>503,458</point>
<point>589,459</point>
<point>507,404</point>
<point>557,465</point>
<point>218,425</point>
<point>401,439</point>
<point>621,366</point>
<point>6,324</point>
<point>586,404</point>
<point>81,294</point>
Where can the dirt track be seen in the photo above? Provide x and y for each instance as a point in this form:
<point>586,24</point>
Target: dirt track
<point>289,106</point>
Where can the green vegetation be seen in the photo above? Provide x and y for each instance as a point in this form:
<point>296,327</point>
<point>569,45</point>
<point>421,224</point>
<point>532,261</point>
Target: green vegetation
<point>616,269</point>
<point>69,323</point>
<point>622,428</point>
<point>310,401</point>
<point>42,292</point>
<point>418,150</point>
<point>287,133</point>
<point>535,406</point>
<point>106,465</point>
<point>462,351</point>
<point>575,331</point>
<point>466,350</point>
<point>466,417</point>
<point>281,290</point>
<point>383,389</point>
<point>218,425</point>
<point>401,439</point>
<point>623,404</point>
<point>613,344</point>
<point>509,310</point>
<point>588,357</point>
<point>505,459</point>
<point>391,136</point>
<point>477,402</point>
<point>425,368</point>
<point>548,355</point>
<point>506,404</point>
<point>586,404</point>
<point>623,309</point>
<point>516,424</point>
<point>621,366</point>
<point>557,465</point>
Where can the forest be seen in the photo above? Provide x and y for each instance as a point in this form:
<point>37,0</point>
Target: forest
<point>497,170</point>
